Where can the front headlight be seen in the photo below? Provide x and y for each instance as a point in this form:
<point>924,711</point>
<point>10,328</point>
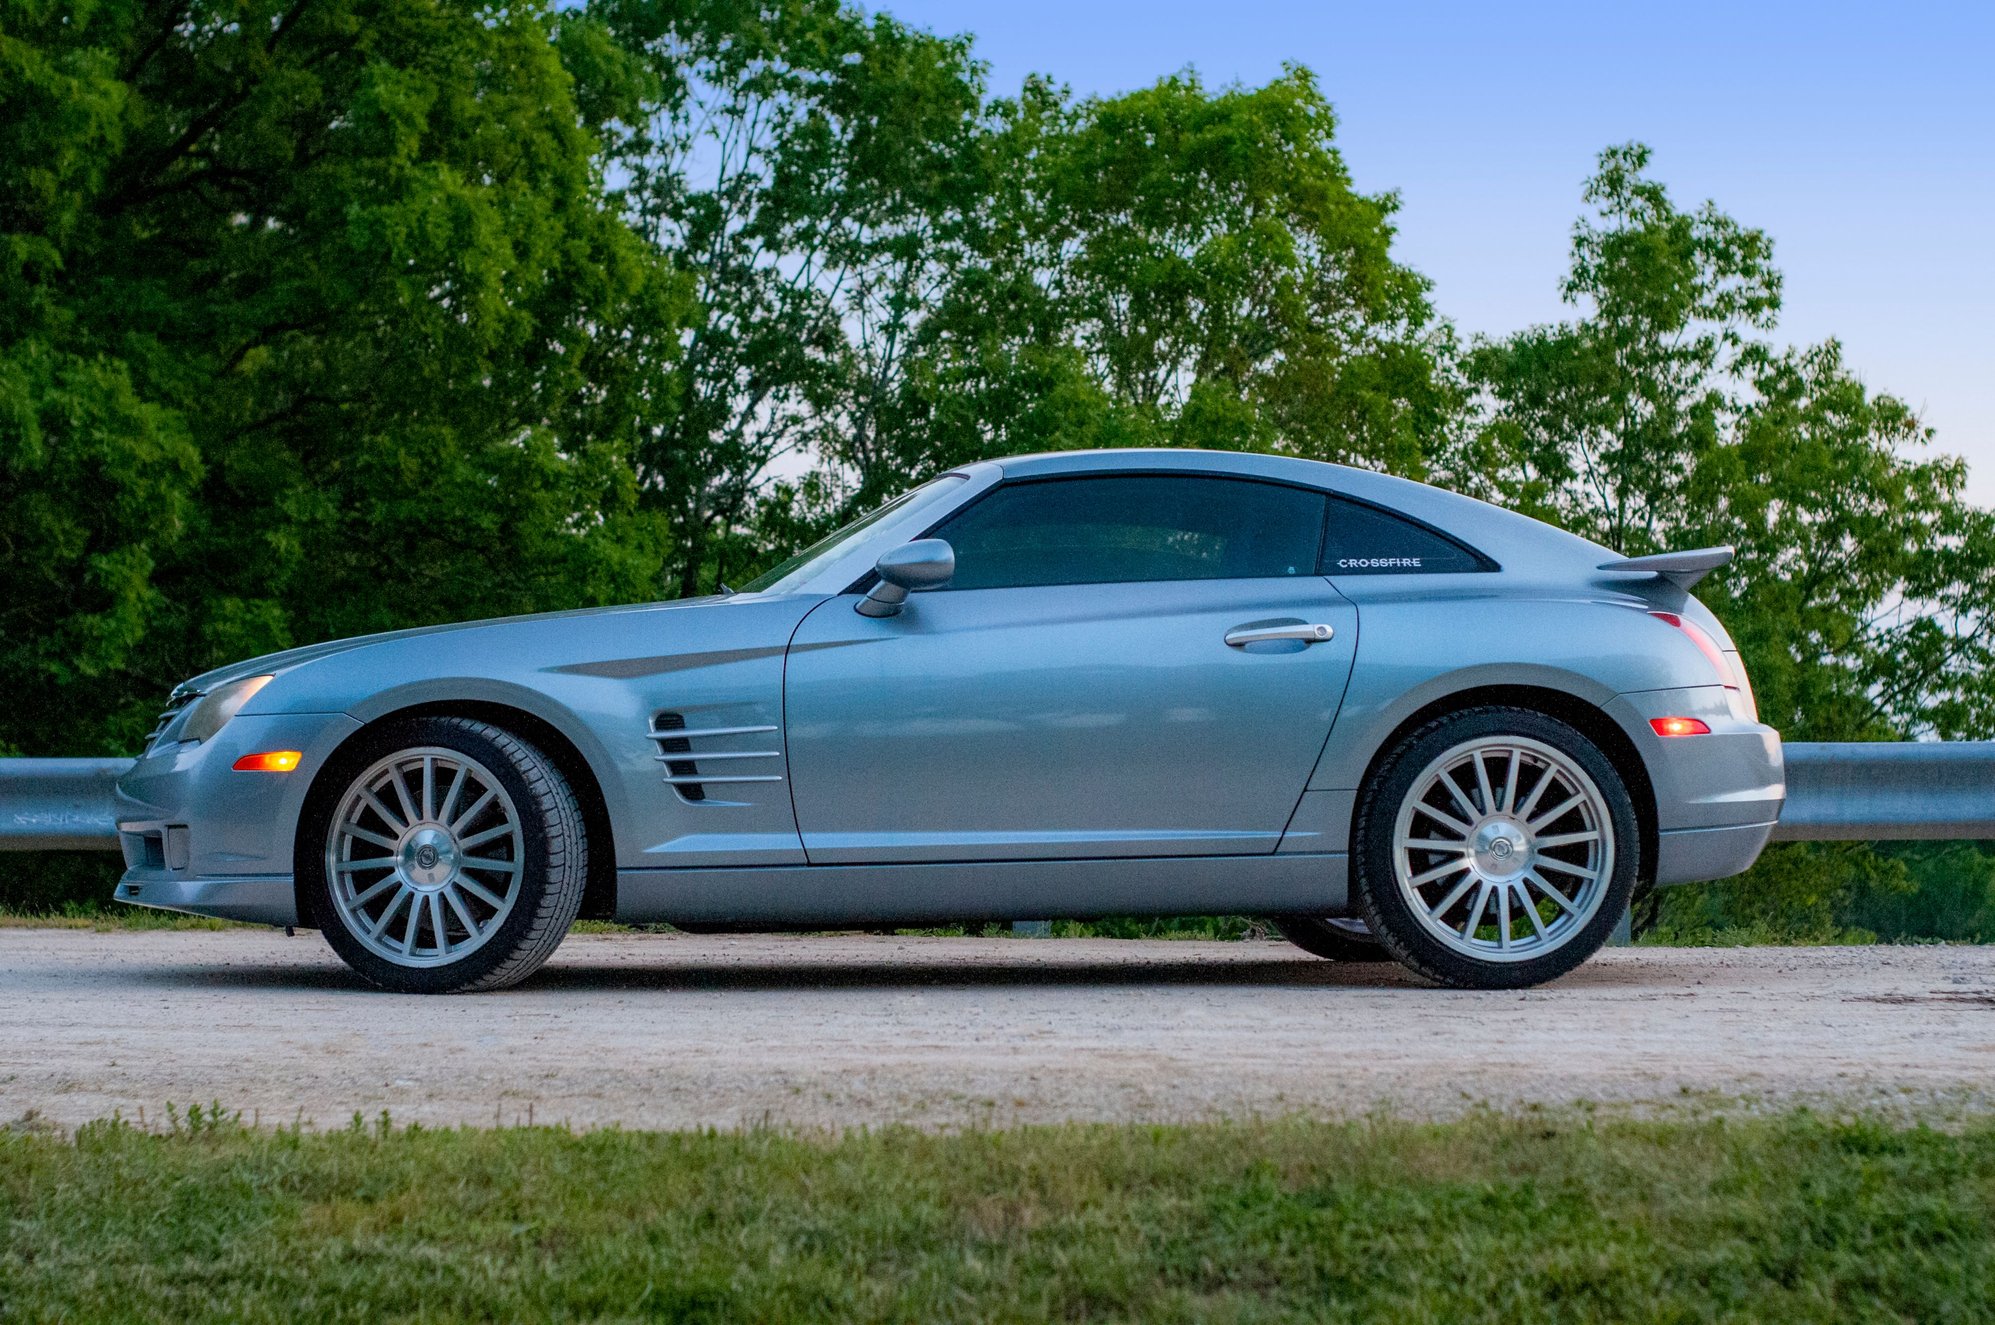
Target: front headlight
<point>212,711</point>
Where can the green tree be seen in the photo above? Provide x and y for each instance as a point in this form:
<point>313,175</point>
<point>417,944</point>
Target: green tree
<point>313,322</point>
<point>1183,267</point>
<point>1662,416</point>
<point>801,163</point>
<point>96,480</point>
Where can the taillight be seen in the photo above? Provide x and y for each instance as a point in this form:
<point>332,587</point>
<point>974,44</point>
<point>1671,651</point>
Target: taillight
<point>1680,726</point>
<point>1728,676</point>
<point>1731,675</point>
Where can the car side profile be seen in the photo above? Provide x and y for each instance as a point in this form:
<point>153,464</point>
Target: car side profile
<point>1401,722</point>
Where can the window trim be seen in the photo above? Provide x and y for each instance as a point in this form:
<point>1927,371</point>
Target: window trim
<point>1485,564</point>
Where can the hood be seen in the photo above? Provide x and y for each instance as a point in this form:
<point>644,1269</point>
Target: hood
<point>276,663</point>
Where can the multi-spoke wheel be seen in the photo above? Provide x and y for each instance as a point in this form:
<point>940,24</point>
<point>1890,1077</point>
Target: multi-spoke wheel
<point>1496,849</point>
<point>448,855</point>
<point>425,856</point>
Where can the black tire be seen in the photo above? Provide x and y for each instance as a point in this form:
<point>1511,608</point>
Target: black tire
<point>1383,903</point>
<point>552,869</point>
<point>1330,938</point>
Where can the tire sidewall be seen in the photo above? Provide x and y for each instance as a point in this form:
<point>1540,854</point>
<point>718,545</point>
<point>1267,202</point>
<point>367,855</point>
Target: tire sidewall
<point>330,790</point>
<point>1385,907</point>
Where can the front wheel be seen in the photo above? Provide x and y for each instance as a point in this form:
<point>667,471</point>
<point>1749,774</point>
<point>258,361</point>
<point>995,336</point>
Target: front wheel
<point>1496,849</point>
<point>443,855</point>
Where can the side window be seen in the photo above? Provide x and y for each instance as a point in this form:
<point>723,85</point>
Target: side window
<point>1363,540</point>
<point>1120,529</point>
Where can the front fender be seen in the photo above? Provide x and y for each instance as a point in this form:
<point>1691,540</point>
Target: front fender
<point>612,768</point>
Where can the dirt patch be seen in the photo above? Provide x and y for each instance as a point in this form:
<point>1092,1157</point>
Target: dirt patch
<point>676,1031</point>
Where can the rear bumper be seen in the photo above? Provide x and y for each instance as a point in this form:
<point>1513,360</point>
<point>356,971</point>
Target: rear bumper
<point>1718,795</point>
<point>1690,855</point>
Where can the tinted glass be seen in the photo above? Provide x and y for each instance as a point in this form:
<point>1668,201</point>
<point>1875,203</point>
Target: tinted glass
<point>1123,529</point>
<point>1363,540</point>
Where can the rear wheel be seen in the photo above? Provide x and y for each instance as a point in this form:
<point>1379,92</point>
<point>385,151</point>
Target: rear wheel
<point>444,855</point>
<point>1496,849</point>
<point>1338,938</point>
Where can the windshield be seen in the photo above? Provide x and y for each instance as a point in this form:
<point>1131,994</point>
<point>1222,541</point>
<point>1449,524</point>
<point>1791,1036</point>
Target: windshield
<point>906,512</point>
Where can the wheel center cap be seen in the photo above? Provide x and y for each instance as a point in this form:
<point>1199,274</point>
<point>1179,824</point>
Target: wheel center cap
<point>1502,848</point>
<point>429,857</point>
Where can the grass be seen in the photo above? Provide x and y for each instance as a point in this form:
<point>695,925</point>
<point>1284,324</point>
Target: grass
<point>104,918</point>
<point>1794,1218</point>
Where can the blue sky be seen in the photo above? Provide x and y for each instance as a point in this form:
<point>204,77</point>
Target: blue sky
<point>1862,138</point>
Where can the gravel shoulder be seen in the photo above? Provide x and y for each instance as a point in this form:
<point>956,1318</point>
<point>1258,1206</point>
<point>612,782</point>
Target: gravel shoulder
<point>671,1031</point>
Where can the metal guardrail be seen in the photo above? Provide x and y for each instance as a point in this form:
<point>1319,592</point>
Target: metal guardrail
<point>1845,792</point>
<point>58,804</point>
<point>1888,791</point>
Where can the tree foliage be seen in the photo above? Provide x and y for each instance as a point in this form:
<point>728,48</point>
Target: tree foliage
<point>311,326</point>
<point>1179,267</point>
<point>801,163</point>
<point>1663,417</point>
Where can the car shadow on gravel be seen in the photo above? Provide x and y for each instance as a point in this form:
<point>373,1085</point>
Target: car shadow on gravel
<point>930,974</point>
<point>675,973</point>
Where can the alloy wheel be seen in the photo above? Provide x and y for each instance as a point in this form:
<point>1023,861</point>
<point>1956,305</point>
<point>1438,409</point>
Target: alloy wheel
<point>1503,848</point>
<point>424,857</point>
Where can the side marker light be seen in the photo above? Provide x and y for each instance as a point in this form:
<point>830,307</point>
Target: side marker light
<point>1680,726</point>
<point>269,761</point>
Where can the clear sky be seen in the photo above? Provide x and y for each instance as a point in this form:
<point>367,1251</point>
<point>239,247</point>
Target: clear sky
<point>1861,137</point>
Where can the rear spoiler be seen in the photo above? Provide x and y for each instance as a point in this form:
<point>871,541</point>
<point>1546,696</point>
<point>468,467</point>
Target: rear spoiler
<point>1682,569</point>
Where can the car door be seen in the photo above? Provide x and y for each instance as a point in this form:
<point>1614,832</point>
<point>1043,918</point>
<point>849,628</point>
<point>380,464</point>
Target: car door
<point>1124,665</point>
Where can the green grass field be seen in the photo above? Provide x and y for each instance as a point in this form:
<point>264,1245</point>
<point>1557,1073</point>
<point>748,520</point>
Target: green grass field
<point>1491,1219</point>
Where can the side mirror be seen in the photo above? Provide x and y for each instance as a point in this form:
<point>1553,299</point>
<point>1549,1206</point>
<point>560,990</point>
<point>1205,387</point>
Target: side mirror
<point>926,563</point>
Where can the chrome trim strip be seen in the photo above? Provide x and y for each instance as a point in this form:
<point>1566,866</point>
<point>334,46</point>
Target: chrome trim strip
<point>695,779</point>
<point>688,756</point>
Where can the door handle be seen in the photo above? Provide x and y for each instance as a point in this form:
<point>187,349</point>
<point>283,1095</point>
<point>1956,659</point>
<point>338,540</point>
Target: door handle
<point>1241,637</point>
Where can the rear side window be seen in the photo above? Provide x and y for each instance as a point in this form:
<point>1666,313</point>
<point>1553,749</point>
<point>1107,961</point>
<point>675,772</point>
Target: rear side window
<point>1126,528</point>
<point>1364,540</point>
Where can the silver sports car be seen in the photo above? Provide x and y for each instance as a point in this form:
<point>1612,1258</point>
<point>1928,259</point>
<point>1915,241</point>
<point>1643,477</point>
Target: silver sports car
<point>1400,722</point>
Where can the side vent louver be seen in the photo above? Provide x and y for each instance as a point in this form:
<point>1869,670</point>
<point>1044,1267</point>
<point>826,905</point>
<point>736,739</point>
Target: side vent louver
<point>683,749</point>
<point>677,745</point>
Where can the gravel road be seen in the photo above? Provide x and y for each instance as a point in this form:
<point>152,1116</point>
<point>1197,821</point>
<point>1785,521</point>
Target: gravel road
<point>677,1031</point>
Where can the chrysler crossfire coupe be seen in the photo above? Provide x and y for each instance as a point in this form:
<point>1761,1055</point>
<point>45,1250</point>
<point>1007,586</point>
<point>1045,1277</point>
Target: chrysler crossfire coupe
<point>1401,723</point>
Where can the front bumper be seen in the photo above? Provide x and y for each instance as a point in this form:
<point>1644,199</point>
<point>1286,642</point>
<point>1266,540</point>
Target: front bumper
<point>200,837</point>
<point>266,899</point>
